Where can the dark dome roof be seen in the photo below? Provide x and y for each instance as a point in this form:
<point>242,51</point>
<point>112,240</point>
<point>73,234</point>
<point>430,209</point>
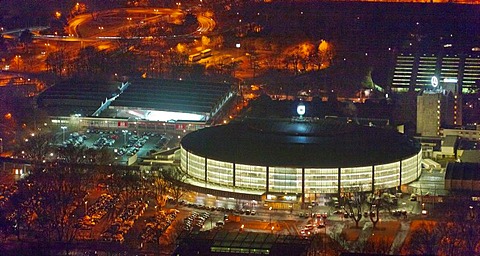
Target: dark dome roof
<point>323,143</point>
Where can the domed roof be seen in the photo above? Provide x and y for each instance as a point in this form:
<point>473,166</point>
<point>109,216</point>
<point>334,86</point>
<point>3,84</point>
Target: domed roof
<point>280,143</point>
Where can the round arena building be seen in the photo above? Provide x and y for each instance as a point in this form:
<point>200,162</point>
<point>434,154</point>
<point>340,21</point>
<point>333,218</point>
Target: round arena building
<point>296,160</point>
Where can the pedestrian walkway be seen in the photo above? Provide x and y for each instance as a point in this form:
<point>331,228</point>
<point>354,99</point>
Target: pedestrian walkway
<point>400,237</point>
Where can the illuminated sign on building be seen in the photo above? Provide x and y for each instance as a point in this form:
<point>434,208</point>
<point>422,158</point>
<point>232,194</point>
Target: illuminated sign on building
<point>434,81</point>
<point>301,109</point>
<point>450,80</point>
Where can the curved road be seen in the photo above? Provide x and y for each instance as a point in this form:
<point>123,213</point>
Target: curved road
<point>205,24</point>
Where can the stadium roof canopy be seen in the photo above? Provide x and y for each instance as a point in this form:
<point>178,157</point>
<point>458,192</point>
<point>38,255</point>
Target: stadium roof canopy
<point>172,96</point>
<point>321,143</point>
<point>69,97</point>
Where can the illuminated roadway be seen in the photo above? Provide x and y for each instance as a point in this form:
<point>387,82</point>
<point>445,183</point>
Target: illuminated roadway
<point>205,24</point>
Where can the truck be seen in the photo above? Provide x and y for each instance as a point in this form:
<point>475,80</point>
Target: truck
<point>232,218</point>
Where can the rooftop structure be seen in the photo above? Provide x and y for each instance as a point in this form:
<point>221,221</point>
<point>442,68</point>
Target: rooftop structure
<point>245,243</point>
<point>462,176</point>
<point>70,98</point>
<point>145,98</point>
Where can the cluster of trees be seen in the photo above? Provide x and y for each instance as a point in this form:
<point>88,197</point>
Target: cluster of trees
<point>43,208</point>
<point>167,183</point>
<point>456,233</point>
<point>308,56</point>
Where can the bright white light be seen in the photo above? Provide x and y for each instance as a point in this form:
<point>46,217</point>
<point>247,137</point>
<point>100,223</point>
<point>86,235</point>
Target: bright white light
<point>131,112</point>
<point>301,109</point>
<point>434,81</point>
<point>450,80</point>
<point>166,116</point>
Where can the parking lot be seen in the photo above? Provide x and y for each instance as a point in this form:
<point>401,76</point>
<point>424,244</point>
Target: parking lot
<point>125,144</point>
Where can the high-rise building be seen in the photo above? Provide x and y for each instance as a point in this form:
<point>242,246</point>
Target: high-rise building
<point>438,109</point>
<point>458,73</point>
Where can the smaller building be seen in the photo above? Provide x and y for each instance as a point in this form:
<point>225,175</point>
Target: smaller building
<point>449,144</point>
<point>242,243</point>
<point>466,133</point>
<point>462,176</point>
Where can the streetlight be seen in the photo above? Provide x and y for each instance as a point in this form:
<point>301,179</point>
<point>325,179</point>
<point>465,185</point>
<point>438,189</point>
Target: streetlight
<point>17,58</point>
<point>86,207</point>
<point>63,132</point>
<point>125,136</point>
<point>270,211</point>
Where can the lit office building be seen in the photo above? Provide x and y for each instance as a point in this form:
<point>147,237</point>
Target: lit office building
<point>457,73</point>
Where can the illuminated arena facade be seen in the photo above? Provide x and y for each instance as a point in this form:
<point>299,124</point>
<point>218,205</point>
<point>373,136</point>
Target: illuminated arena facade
<point>296,160</point>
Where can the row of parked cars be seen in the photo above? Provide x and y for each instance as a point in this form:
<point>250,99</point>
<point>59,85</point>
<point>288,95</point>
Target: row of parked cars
<point>97,211</point>
<point>75,139</point>
<point>124,221</point>
<point>219,208</point>
<point>195,221</point>
<point>105,140</point>
<point>134,143</point>
<point>156,226</point>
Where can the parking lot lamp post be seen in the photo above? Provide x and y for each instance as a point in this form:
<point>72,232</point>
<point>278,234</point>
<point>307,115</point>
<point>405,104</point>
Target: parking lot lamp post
<point>63,132</point>
<point>86,207</point>
<point>270,213</point>
<point>125,136</point>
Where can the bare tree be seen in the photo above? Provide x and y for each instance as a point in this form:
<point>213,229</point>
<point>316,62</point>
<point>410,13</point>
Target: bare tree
<point>374,213</point>
<point>175,178</point>
<point>37,147</point>
<point>354,201</point>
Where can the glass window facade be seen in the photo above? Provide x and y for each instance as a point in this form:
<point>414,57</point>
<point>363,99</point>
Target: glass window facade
<point>289,180</point>
<point>356,179</point>
<point>410,168</point>
<point>183,159</point>
<point>321,180</point>
<point>387,175</point>
<point>285,179</point>
<point>250,176</point>
<point>220,172</point>
<point>196,166</point>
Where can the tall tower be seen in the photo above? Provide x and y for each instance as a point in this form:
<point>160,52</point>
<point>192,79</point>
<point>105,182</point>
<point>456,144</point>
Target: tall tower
<point>429,109</point>
<point>437,110</point>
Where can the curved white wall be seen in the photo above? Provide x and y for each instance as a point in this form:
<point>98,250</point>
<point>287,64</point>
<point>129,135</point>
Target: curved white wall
<point>290,180</point>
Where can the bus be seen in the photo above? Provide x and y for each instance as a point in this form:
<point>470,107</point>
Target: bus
<point>206,53</point>
<point>195,57</point>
